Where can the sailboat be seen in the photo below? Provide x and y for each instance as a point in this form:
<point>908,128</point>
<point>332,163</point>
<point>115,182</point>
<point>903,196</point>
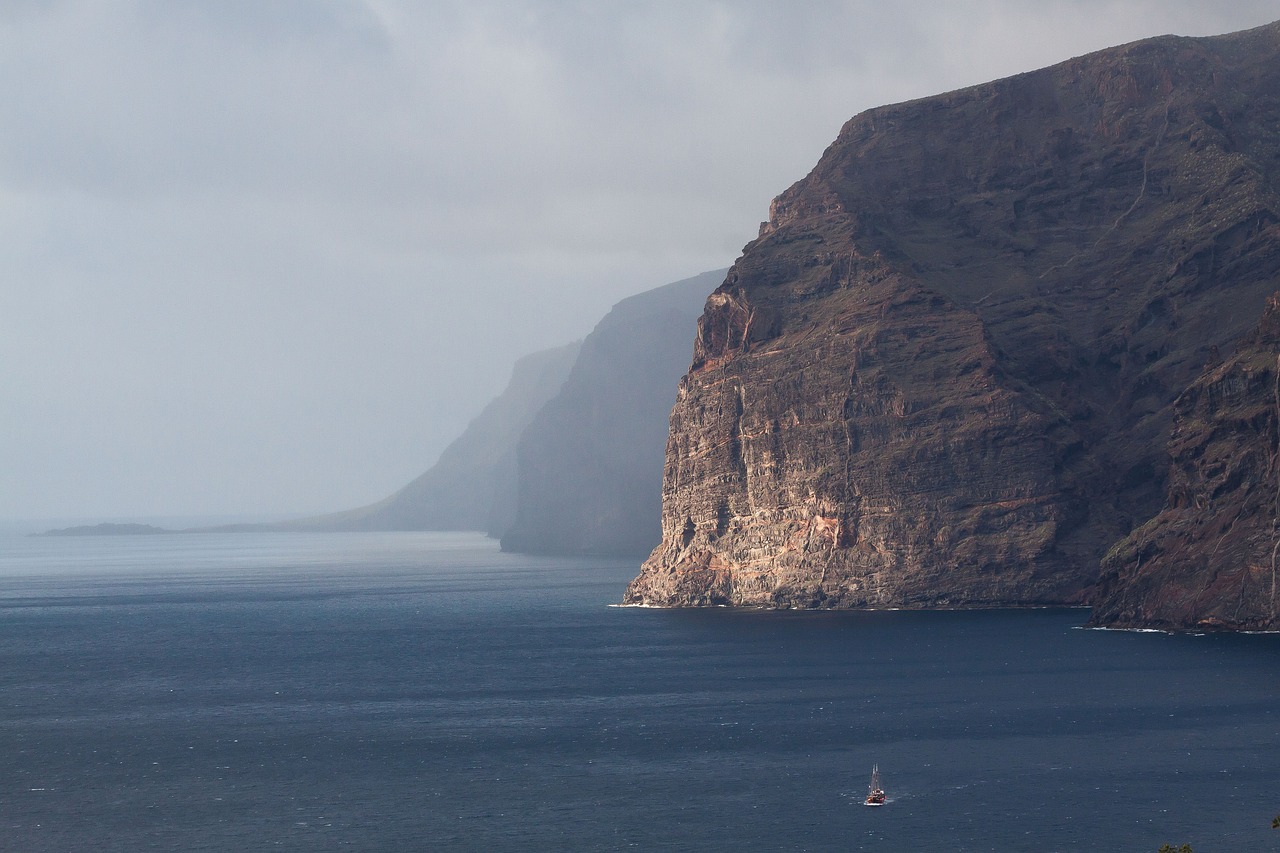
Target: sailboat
<point>875,794</point>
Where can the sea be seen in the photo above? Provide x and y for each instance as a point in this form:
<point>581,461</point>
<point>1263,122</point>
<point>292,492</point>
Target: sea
<point>420,691</point>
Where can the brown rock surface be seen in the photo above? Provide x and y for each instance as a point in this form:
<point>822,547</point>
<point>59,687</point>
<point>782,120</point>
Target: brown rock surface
<point>1208,560</point>
<point>944,374</point>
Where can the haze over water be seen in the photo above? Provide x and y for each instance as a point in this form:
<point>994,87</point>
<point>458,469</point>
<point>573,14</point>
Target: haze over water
<point>423,691</point>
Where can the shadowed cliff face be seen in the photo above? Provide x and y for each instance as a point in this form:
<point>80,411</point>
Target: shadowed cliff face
<point>944,374</point>
<point>1208,560</point>
<point>590,463</point>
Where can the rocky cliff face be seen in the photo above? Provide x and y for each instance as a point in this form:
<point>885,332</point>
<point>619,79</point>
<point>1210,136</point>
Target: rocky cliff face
<point>945,372</point>
<point>590,463</point>
<point>1208,560</point>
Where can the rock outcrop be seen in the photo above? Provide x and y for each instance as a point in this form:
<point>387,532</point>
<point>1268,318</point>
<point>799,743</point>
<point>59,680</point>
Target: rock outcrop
<point>945,372</point>
<point>1208,560</point>
<point>590,462</point>
<point>473,484</point>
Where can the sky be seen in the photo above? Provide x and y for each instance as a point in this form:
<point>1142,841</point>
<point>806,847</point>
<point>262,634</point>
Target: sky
<point>268,257</point>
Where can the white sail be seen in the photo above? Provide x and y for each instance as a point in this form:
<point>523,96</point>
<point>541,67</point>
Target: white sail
<point>875,795</point>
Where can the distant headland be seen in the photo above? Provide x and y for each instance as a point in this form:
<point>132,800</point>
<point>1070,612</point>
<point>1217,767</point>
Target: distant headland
<point>107,529</point>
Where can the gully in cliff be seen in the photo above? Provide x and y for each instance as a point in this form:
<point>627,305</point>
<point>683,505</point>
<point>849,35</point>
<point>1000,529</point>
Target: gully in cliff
<point>875,795</point>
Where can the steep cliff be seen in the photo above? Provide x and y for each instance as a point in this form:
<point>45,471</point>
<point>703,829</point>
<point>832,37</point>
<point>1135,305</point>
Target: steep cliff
<point>1208,560</point>
<point>473,484</point>
<point>945,372</point>
<point>590,463</point>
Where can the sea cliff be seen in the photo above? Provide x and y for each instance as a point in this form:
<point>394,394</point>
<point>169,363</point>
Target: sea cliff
<point>946,372</point>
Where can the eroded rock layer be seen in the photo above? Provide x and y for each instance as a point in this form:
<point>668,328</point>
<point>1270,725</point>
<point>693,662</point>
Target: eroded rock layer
<point>1208,560</point>
<point>944,373</point>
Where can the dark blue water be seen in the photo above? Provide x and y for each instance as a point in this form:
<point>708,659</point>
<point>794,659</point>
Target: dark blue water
<point>418,692</point>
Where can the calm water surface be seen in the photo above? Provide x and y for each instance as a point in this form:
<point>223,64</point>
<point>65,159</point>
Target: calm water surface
<point>388,692</point>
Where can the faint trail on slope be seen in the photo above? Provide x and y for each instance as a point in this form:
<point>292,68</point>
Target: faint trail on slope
<point>1142,192</point>
<point>1146,163</point>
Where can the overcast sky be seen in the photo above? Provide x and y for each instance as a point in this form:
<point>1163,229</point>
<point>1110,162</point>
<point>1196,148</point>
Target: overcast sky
<point>270,257</point>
